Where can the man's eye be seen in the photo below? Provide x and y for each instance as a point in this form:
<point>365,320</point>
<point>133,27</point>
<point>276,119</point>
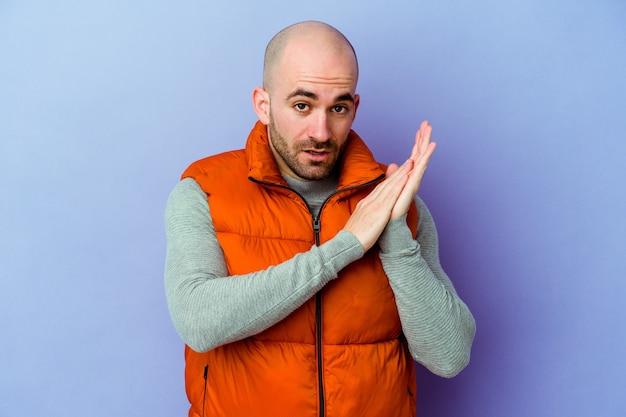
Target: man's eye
<point>340,109</point>
<point>301,106</point>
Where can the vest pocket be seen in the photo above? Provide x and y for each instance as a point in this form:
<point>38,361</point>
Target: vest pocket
<point>206,379</point>
<point>412,404</point>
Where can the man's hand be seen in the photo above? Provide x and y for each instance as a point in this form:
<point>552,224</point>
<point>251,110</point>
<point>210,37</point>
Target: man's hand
<point>392,197</point>
<point>420,155</point>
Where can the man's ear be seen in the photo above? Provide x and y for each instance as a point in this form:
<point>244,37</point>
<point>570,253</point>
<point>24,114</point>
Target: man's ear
<point>357,101</point>
<point>261,103</point>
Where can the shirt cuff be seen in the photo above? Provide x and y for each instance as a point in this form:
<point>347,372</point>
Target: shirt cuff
<point>396,237</point>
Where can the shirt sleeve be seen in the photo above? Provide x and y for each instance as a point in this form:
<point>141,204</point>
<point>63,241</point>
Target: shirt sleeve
<point>437,324</point>
<point>210,308</point>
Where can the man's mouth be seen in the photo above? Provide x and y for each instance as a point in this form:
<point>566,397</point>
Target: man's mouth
<point>317,154</point>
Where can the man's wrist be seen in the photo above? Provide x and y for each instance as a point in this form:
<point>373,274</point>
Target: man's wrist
<point>396,237</point>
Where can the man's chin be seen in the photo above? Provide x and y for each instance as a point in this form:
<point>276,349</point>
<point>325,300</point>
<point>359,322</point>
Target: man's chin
<point>314,173</point>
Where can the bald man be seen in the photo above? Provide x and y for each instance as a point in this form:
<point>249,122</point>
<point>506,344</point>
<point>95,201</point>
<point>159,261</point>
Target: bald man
<point>303,275</point>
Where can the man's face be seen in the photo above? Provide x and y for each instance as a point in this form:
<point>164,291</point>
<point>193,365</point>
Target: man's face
<point>312,107</point>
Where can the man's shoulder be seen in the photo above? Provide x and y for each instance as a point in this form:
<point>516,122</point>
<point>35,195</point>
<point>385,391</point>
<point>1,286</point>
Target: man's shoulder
<point>217,165</point>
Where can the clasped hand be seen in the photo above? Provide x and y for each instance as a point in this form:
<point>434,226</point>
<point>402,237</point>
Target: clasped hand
<point>392,198</point>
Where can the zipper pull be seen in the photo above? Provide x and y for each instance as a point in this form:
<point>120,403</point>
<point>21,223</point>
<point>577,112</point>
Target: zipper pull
<point>316,229</point>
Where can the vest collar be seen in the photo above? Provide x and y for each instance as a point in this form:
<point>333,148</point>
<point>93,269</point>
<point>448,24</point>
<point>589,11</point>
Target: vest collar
<point>357,165</point>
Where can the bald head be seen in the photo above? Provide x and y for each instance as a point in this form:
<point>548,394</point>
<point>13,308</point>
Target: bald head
<point>303,37</point>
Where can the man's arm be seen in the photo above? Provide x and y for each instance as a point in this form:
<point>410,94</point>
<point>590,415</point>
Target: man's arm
<point>210,308</point>
<point>437,324</point>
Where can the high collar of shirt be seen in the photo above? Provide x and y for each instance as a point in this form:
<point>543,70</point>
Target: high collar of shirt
<point>314,192</point>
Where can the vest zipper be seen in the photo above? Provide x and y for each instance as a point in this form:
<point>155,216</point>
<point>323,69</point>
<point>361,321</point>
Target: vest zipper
<point>318,323</point>
<point>316,229</point>
<point>317,226</point>
<point>318,330</point>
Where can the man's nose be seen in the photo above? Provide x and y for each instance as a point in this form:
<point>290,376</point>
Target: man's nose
<point>320,128</point>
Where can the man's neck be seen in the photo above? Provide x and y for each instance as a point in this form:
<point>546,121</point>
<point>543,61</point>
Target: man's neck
<point>314,192</point>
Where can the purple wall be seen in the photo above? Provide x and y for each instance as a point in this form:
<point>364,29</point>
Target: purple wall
<point>102,105</point>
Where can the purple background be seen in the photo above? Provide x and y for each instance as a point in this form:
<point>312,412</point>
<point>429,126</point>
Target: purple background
<point>104,103</point>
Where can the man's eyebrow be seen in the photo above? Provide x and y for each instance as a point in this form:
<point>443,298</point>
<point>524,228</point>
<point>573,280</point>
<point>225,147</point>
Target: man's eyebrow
<point>346,97</point>
<point>302,92</point>
<point>308,94</point>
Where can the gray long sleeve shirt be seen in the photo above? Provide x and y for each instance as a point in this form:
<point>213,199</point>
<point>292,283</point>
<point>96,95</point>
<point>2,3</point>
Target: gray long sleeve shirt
<point>209,311</point>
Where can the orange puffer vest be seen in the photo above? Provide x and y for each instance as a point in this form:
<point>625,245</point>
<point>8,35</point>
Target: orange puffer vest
<point>342,353</point>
